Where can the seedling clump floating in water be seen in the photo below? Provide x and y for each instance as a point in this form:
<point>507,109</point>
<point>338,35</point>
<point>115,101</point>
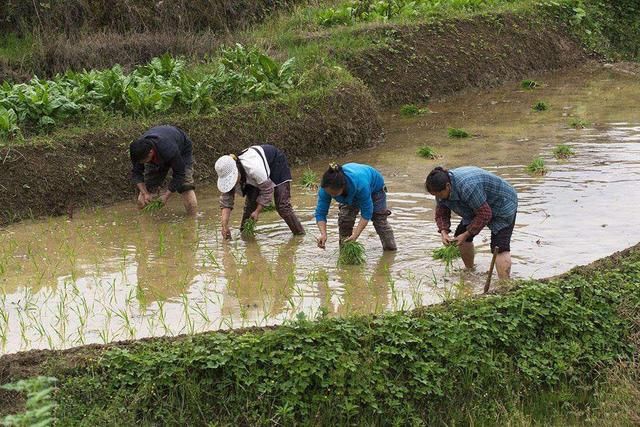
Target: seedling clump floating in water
<point>153,206</point>
<point>351,253</point>
<point>530,84</point>
<point>563,151</point>
<point>457,133</point>
<point>411,110</point>
<point>447,254</point>
<point>537,167</point>
<point>427,152</point>
<point>540,106</point>
<point>578,123</point>
<point>249,228</point>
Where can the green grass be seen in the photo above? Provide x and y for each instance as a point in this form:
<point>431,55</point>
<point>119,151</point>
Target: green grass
<point>153,206</point>
<point>249,228</point>
<point>309,179</point>
<point>411,110</point>
<point>447,254</point>
<point>578,123</point>
<point>540,106</point>
<point>13,47</point>
<point>537,167</point>
<point>427,152</point>
<point>563,151</point>
<point>351,253</point>
<point>529,84</point>
<point>457,133</point>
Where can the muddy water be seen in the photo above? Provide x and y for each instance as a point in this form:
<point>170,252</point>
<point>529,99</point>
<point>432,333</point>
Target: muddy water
<point>114,273</point>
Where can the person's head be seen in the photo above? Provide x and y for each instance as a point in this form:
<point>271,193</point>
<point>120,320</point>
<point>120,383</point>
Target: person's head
<point>438,183</point>
<point>228,174</point>
<point>141,150</point>
<point>334,181</point>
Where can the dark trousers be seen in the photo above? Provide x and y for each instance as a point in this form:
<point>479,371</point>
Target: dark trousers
<point>347,219</point>
<point>282,201</point>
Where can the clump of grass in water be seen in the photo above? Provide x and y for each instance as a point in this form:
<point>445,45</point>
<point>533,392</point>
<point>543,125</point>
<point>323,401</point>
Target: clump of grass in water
<point>249,228</point>
<point>457,133</point>
<point>447,254</point>
<point>537,167</point>
<point>153,206</point>
<point>411,110</point>
<point>309,179</point>
<point>427,152</point>
<point>529,84</point>
<point>578,123</point>
<point>540,106</point>
<point>351,253</point>
<point>563,151</point>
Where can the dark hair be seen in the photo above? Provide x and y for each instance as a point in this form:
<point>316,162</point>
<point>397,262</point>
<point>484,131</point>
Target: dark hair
<point>139,149</point>
<point>437,180</point>
<point>334,177</point>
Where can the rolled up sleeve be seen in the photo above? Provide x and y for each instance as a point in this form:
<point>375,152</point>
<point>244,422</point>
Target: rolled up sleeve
<point>322,206</point>
<point>227,199</point>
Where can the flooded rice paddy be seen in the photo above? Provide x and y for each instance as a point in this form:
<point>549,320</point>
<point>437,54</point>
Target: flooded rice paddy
<point>115,273</point>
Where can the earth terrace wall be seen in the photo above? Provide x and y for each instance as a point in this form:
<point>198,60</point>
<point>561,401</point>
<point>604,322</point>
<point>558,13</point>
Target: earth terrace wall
<point>92,167</point>
<point>420,62</point>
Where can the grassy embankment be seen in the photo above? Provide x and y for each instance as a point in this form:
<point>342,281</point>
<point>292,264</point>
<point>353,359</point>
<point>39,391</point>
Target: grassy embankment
<point>562,352</point>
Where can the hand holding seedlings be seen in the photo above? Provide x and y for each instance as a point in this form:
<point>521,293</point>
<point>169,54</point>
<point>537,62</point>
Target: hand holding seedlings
<point>144,198</point>
<point>153,205</point>
<point>322,241</point>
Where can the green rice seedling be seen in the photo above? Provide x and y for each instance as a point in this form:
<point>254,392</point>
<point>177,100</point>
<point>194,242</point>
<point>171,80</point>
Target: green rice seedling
<point>537,167</point>
<point>447,254</point>
<point>249,228</point>
<point>153,206</point>
<point>269,208</point>
<point>529,84</point>
<point>351,253</point>
<point>540,106</point>
<point>563,151</point>
<point>309,179</point>
<point>578,123</point>
<point>427,152</point>
<point>457,133</point>
<point>411,110</point>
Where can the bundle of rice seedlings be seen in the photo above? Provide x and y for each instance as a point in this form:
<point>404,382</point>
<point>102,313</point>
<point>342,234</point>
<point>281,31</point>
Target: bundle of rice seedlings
<point>529,84</point>
<point>351,253</point>
<point>269,208</point>
<point>309,179</point>
<point>447,254</point>
<point>427,152</point>
<point>153,206</point>
<point>249,228</point>
<point>457,133</point>
<point>540,106</point>
<point>563,151</point>
<point>537,167</point>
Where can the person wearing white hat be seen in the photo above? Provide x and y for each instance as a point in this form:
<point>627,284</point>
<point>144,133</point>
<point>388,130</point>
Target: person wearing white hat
<point>259,173</point>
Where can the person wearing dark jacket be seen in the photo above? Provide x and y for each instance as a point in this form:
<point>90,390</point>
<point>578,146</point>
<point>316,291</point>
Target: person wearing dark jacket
<point>159,149</point>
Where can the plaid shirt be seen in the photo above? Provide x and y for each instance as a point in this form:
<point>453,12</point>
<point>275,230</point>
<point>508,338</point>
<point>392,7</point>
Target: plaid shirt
<point>471,188</point>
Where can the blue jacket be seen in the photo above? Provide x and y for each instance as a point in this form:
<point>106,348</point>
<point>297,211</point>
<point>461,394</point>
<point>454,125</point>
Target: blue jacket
<point>362,182</point>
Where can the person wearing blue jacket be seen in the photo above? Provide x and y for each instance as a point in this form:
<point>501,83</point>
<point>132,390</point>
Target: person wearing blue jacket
<point>357,188</point>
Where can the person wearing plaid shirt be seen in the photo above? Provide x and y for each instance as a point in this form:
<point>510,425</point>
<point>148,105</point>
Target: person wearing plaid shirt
<point>481,199</point>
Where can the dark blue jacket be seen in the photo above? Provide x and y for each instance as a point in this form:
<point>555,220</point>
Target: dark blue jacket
<point>174,150</point>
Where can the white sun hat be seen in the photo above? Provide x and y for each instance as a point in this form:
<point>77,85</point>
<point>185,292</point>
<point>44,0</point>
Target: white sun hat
<point>227,173</point>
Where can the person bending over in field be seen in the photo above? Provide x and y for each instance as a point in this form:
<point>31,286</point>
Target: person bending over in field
<point>357,188</point>
<point>159,149</point>
<point>481,199</point>
<point>260,173</point>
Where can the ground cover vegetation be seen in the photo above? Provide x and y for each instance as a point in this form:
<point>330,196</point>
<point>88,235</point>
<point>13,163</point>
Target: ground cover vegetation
<point>560,351</point>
